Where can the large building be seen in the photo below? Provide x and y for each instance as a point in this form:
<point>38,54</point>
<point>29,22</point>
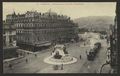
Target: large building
<point>113,46</point>
<point>9,34</point>
<point>35,29</point>
<point>9,39</point>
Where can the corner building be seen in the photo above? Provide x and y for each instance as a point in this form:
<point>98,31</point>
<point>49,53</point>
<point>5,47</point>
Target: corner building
<point>35,30</point>
<point>9,32</point>
<point>114,47</point>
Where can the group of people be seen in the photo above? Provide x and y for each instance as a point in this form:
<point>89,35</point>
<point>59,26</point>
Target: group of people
<point>27,59</point>
<point>56,67</point>
<point>11,65</point>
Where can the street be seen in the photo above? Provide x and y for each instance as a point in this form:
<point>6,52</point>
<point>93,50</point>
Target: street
<point>37,65</point>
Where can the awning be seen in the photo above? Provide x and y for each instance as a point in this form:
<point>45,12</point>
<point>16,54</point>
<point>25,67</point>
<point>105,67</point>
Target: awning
<point>43,44</point>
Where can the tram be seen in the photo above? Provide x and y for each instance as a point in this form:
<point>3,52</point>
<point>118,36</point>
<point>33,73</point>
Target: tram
<point>92,52</point>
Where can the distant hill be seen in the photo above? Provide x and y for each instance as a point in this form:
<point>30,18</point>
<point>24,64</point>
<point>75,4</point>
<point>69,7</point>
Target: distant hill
<point>96,22</point>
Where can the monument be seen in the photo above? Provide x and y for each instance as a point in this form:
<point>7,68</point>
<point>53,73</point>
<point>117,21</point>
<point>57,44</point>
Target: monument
<point>60,56</point>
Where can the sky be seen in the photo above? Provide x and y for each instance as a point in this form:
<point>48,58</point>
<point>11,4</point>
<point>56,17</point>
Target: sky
<point>71,9</point>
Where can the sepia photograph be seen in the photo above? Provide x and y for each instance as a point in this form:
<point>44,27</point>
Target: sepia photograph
<point>59,37</point>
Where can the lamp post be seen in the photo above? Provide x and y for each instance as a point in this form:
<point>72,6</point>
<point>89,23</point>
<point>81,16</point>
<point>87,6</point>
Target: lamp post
<point>103,66</point>
<point>107,61</point>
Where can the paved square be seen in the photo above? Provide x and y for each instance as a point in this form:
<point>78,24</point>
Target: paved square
<point>37,65</point>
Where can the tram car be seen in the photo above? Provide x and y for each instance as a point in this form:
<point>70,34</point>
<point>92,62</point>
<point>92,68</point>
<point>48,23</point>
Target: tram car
<point>92,52</point>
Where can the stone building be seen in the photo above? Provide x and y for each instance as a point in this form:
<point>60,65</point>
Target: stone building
<point>113,46</point>
<point>9,32</point>
<point>34,29</point>
<point>9,38</point>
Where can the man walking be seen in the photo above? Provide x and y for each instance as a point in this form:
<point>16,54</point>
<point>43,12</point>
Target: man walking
<point>26,60</point>
<point>10,66</point>
<point>61,66</point>
<point>84,43</point>
<point>35,55</point>
<point>80,56</point>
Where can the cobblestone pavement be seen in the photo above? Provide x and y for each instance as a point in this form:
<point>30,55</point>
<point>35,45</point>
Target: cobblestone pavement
<point>36,65</point>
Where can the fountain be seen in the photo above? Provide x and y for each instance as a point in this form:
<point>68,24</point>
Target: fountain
<point>60,56</point>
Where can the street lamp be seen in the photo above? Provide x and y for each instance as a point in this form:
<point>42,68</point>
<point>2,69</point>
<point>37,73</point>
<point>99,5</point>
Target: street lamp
<point>103,66</point>
<point>107,61</point>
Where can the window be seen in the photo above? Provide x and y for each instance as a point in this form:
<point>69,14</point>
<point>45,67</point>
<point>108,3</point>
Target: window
<point>20,25</point>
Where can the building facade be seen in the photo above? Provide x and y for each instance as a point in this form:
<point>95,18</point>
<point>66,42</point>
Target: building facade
<point>113,46</point>
<point>9,33</point>
<point>9,38</point>
<point>34,29</point>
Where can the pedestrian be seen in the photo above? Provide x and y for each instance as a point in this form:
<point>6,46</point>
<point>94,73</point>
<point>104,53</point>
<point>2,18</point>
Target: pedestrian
<point>86,52</point>
<point>55,67</point>
<point>84,43</point>
<point>61,66</point>
<point>80,57</point>
<point>10,66</point>
<point>72,59</point>
<point>26,60</point>
<point>35,55</point>
<point>28,53</point>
